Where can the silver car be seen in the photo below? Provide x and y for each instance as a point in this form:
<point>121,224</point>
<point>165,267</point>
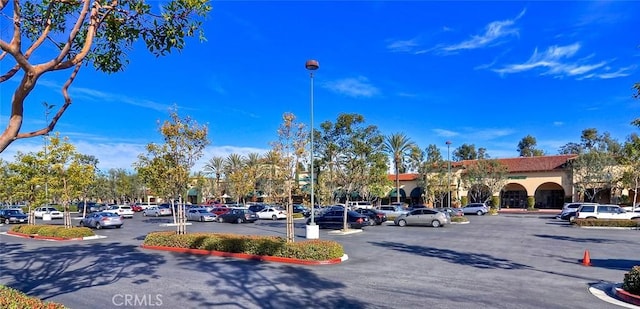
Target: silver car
<point>99,220</point>
<point>423,216</point>
<point>475,209</point>
<point>200,214</point>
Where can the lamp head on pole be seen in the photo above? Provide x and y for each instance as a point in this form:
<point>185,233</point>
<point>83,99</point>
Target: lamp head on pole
<point>448,143</point>
<point>312,65</point>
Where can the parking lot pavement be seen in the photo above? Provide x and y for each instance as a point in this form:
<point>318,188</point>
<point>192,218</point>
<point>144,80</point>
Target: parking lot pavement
<point>504,261</point>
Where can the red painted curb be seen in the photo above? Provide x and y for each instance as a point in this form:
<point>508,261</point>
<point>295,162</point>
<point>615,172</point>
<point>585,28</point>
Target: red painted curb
<point>36,236</point>
<point>628,297</point>
<point>245,256</point>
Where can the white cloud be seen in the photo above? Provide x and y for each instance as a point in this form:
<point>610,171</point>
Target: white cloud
<point>445,133</point>
<point>402,45</point>
<point>101,96</point>
<point>556,61</point>
<point>488,134</point>
<point>494,31</point>
<point>558,123</point>
<point>353,87</point>
<point>118,154</point>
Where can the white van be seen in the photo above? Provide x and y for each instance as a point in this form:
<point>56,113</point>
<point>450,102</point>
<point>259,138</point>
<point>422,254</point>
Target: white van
<point>360,205</point>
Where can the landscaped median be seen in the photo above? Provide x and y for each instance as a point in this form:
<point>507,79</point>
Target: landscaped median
<point>10,298</point>
<point>51,232</point>
<point>607,223</point>
<point>261,248</point>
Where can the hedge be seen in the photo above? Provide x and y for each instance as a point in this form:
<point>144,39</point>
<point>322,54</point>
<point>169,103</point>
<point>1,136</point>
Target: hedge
<point>53,231</point>
<point>607,222</point>
<point>315,250</point>
<point>14,299</point>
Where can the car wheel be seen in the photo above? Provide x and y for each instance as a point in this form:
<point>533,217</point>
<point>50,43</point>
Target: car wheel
<point>435,223</point>
<point>571,218</point>
<point>6,221</point>
<point>81,223</point>
<point>157,214</point>
<point>402,223</point>
<point>239,220</point>
<point>144,214</point>
<point>480,213</point>
<point>274,217</point>
<point>118,226</point>
<point>220,220</point>
<point>98,226</point>
<point>201,219</point>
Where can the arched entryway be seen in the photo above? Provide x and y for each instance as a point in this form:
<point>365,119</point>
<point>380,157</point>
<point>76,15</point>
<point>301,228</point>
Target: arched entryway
<point>549,195</point>
<point>416,196</point>
<point>513,195</point>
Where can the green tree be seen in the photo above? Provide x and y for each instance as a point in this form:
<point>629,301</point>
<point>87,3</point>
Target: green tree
<point>82,33</point>
<point>483,178</point>
<point>593,171</point>
<point>292,139</point>
<point>234,173</point>
<point>215,167</point>
<point>465,152</point>
<point>399,147</point>
<point>527,147</point>
<point>166,167</point>
<point>631,162</point>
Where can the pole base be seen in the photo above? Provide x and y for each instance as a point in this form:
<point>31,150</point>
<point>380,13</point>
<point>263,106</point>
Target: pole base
<point>313,231</point>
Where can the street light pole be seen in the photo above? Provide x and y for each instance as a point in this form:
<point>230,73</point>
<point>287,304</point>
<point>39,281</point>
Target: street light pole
<point>448,174</point>
<point>313,231</point>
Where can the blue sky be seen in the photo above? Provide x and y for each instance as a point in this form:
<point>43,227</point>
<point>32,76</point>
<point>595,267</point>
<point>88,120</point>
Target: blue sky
<point>482,73</point>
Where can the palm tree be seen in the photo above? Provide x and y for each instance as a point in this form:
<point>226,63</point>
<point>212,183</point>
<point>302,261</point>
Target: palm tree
<point>233,166</point>
<point>272,160</point>
<point>215,167</point>
<point>252,163</point>
<point>399,146</point>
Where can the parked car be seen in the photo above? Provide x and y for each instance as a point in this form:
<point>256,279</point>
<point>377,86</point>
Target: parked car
<point>257,207</point>
<point>605,212</point>
<point>136,208</point>
<point>428,217</point>
<point>376,217</point>
<point>297,208</point>
<point>335,219</point>
<point>8,216</point>
<point>569,210</point>
<point>40,211</point>
<point>392,210</point>
<point>200,214</point>
<point>124,210</point>
<point>102,219</point>
<point>453,212</point>
<point>238,215</point>
<point>157,211</point>
<point>90,207</point>
<point>221,210</point>
<point>360,204</point>
<point>475,209</point>
<point>272,213</point>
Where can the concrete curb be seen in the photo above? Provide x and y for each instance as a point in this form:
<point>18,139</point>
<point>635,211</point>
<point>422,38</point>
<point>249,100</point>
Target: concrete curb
<point>348,232</point>
<point>50,238</point>
<point>608,292</point>
<point>262,258</point>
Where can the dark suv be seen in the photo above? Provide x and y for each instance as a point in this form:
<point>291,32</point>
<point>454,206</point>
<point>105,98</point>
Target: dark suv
<point>238,215</point>
<point>335,219</point>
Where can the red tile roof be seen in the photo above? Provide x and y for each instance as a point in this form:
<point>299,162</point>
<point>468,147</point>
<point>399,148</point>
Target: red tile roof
<point>528,164</point>
<point>403,177</point>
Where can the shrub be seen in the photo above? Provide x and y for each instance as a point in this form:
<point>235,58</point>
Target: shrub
<point>11,298</point>
<point>631,281</point>
<point>607,222</point>
<point>257,245</point>
<point>459,219</point>
<point>531,201</point>
<point>493,211</point>
<point>298,215</point>
<point>464,200</point>
<point>53,231</point>
<point>495,202</point>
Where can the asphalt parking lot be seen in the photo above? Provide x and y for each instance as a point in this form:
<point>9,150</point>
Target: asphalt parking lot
<point>504,261</point>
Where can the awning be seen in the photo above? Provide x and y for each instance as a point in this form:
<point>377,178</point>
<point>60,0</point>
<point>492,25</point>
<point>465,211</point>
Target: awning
<point>393,193</point>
